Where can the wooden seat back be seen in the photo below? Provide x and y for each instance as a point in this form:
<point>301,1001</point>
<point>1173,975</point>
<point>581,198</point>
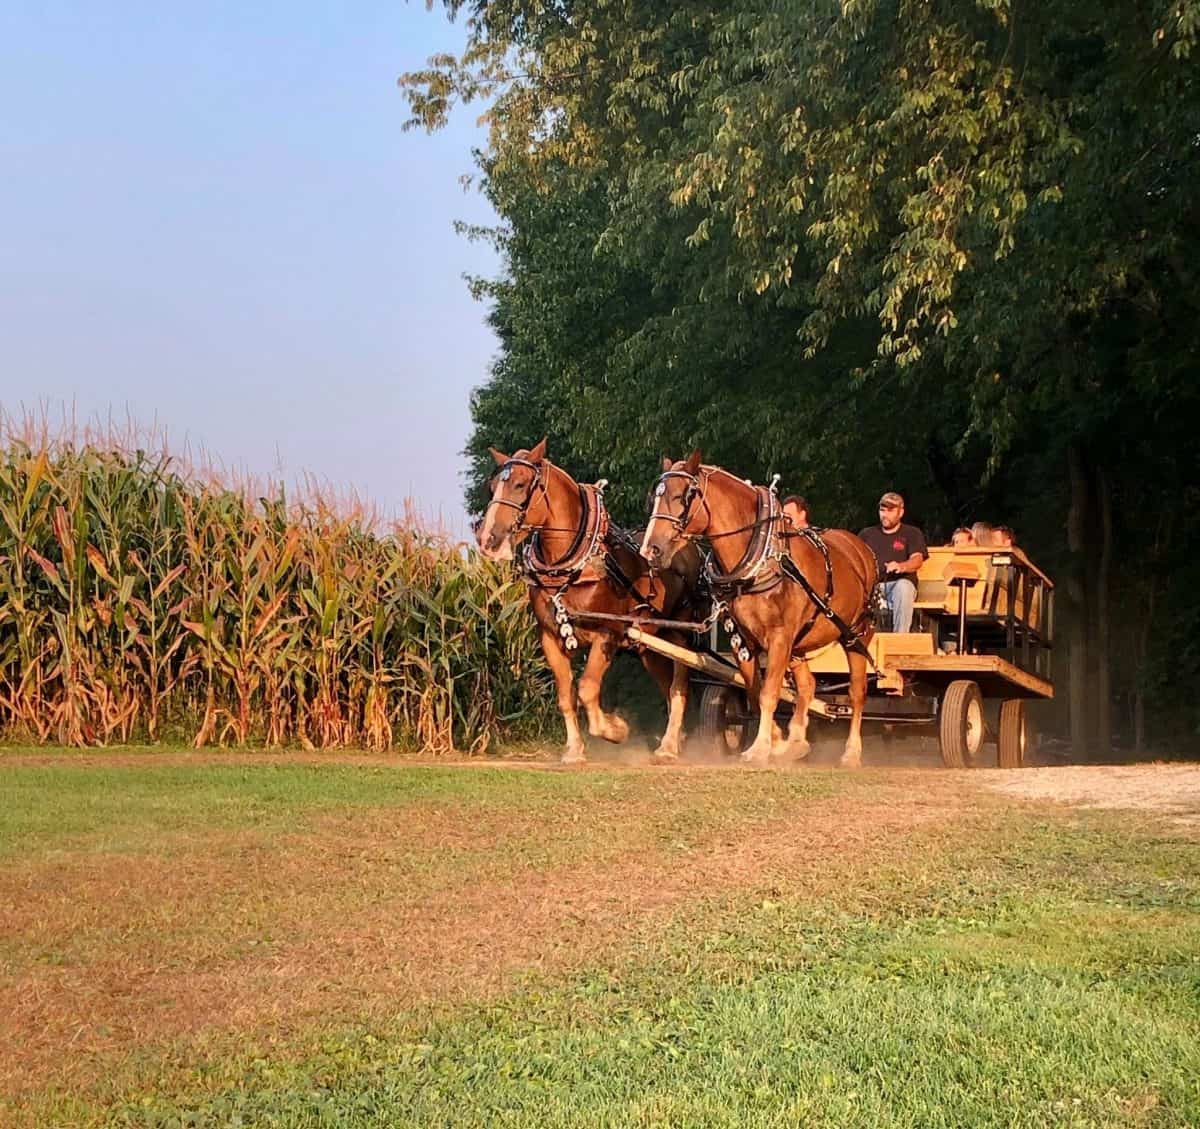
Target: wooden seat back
<point>952,574</point>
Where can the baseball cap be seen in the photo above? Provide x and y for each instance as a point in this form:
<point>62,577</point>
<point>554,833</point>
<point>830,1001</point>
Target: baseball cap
<point>891,498</point>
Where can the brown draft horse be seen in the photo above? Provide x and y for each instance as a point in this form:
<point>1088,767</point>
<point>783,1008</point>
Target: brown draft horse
<point>576,563</point>
<point>772,611</point>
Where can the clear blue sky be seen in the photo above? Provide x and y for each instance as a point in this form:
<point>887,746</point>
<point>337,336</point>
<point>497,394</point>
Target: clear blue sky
<point>211,219</point>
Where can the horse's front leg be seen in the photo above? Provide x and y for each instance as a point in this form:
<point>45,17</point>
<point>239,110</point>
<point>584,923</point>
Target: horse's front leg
<point>770,686</point>
<point>673,679</point>
<point>752,677</point>
<point>672,743</point>
<point>600,724</point>
<point>560,666</point>
<point>857,662</point>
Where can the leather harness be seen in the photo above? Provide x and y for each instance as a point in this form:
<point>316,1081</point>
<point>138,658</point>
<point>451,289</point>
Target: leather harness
<point>754,575</point>
<point>591,557</point>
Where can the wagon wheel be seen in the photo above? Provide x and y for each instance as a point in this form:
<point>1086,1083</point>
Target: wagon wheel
<point>960,724</point>
<point>1012,734</point>
<point>721,718</point>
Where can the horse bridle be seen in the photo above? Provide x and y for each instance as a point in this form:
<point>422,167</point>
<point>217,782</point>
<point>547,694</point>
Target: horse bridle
<point>693,490</point>
<point>522,508</point>
<point>697,488</point>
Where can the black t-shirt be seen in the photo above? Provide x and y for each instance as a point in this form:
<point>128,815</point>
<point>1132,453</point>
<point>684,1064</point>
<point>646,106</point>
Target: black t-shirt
<point>897,546</point>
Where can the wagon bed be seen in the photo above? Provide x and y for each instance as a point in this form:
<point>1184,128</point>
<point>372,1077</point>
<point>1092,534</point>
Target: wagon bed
<point>996,677</point>
<point>993,604</point>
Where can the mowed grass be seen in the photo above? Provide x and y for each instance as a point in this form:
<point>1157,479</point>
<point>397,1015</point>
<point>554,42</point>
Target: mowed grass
<point>143,803</point>
<point>875,949</point>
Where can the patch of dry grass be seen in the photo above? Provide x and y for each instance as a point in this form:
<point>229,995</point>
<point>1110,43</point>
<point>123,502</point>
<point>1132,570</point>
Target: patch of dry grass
<point>360,911</point>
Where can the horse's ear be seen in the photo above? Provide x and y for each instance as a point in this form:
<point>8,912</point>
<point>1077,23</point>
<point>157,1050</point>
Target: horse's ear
<point>668,462</point>
<point>539,452</point>
<point>693,462</point>
<point>500,457</point>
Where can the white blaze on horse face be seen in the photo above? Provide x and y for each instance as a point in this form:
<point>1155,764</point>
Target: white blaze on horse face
<point>657,517</point>
<point>504,551</point>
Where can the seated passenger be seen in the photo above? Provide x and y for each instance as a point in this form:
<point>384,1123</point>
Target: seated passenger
<point>900,550</point>
<point>984,534</point>
<point>1003,537</point>
<point>962,538</point>
<point>795,509</point>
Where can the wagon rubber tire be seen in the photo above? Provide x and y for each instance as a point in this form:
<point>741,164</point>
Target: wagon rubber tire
<point>960,724</point>
<point>1012,735</point>
<point>727,735</point>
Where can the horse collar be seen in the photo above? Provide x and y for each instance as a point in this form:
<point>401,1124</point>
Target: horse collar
<point>762,549</point>
<point>569,568</point>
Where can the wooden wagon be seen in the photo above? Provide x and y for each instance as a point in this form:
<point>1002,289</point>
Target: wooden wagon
<point>986,621</point>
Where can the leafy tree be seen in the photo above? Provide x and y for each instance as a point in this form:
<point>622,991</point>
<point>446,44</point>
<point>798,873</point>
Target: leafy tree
<point>948,247</point>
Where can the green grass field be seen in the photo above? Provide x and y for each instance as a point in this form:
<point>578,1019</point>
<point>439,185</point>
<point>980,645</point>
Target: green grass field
<point>208,940</point>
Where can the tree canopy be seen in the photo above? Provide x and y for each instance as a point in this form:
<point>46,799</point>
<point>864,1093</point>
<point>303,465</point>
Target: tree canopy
<point>945,247</point>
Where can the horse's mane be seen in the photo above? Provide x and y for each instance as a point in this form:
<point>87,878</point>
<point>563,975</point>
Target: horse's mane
<point>728,474</point>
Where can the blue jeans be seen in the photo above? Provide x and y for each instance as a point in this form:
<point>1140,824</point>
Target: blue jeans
<point>899,595</point>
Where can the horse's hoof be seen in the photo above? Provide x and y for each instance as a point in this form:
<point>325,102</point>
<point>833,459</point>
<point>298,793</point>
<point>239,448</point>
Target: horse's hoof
<point>667,752</point>
<point>851,760</point>
<point>783,754</point>
<point>758,758</point>
<point>799,750</point>
<point>615,730</point>
<point>573,757</point>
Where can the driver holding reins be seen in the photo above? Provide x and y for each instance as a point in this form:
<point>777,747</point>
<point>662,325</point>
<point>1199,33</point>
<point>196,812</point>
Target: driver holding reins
<point>900,550</point>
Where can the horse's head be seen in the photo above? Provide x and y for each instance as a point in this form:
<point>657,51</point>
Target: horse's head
<point>677,510</point>
<point>518,498</point>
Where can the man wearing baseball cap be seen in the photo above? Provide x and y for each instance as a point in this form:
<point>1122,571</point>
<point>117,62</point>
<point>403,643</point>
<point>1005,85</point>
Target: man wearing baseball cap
<point>900,550</point>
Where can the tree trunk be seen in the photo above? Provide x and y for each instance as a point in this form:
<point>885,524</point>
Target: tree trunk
<point>1100,618</point>
<point>1139,692</point>
<point>1162,538</point>
<point>1076,589</point>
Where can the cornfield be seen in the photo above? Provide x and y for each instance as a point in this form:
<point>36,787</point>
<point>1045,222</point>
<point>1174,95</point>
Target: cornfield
<point>141,601</point>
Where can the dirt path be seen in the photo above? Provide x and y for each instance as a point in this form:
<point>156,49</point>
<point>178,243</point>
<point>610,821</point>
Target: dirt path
<point>1172,789</point>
